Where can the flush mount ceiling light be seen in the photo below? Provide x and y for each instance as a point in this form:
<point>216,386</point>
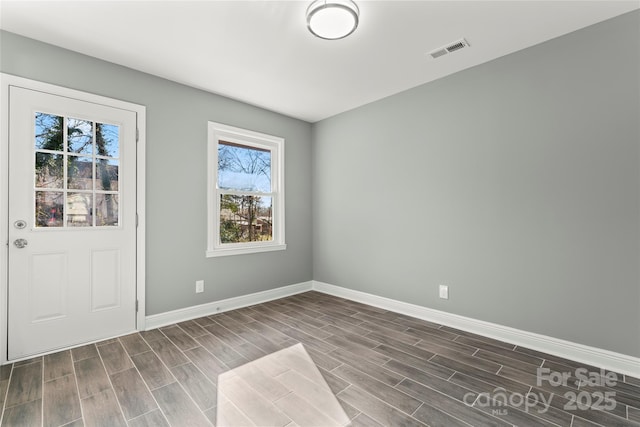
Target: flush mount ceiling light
<point>332,19</point>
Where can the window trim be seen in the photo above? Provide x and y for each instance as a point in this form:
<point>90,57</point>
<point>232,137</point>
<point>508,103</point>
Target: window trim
<point>220,132</point>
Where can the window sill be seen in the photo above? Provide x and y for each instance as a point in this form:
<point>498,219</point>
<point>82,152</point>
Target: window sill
<point>211,253</point>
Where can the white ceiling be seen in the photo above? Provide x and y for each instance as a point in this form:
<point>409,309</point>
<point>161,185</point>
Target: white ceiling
<point>260,52</point>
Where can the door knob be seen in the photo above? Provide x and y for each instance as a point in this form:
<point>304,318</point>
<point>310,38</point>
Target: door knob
<point>20,243</point>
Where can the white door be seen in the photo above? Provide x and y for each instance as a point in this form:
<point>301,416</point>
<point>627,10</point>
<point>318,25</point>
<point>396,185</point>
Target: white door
<point>72,222</point>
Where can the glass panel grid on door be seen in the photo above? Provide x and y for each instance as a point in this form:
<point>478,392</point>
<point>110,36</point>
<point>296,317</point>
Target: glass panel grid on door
<point>76,172</point>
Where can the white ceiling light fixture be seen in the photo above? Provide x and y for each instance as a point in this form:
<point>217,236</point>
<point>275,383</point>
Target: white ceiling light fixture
<point>332,19</point>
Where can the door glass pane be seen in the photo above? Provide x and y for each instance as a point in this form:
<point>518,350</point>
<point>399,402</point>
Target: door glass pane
<point>84,168</point>
<point>106,210</point>
<point>243,168</point>
<point>48,128</point>
<point>107,171</point>
<point>107,140</point>
<point>49,208</point>
<point>80,173</point>
<point>49,173</point>
<point>245,218</point>
<point>79,210</point>
<point>79,136</point>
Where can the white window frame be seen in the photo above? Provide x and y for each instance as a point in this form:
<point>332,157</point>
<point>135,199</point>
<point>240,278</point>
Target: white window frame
<point>220,132</point>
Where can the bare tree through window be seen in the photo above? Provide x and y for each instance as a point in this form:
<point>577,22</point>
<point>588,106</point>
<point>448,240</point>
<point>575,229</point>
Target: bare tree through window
<point>76,172</point>
<point>246,206</point>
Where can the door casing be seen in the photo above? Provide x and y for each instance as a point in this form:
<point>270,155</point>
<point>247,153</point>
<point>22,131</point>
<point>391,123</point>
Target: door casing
<point>7,80</point>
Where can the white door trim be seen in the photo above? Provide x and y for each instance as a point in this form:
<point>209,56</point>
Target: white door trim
<point>7,80</point>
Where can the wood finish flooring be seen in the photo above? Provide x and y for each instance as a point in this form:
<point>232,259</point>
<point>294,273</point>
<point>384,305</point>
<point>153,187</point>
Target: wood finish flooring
<point>386,369</point>
<point>285,388</point>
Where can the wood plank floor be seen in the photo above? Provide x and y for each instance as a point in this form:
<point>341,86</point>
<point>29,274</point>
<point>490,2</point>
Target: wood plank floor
<point>385,368</point>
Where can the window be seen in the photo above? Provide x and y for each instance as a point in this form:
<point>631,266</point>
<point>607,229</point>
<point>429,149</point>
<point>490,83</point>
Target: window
<point>245,191</point>
<point>76,172</point>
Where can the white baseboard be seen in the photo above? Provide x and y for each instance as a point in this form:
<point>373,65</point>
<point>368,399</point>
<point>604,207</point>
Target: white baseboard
<point>600,358</point>
<point>606,359</point>
<point>176,316</point>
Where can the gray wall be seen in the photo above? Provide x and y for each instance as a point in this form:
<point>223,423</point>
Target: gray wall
<point>176,175</point>
<point>516,182</point>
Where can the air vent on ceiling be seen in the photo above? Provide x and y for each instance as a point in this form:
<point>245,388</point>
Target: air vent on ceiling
<point>451,47</point>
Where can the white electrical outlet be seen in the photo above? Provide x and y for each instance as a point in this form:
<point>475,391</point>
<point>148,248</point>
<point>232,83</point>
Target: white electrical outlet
<point>199,286</point>
<point>444,291</point>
